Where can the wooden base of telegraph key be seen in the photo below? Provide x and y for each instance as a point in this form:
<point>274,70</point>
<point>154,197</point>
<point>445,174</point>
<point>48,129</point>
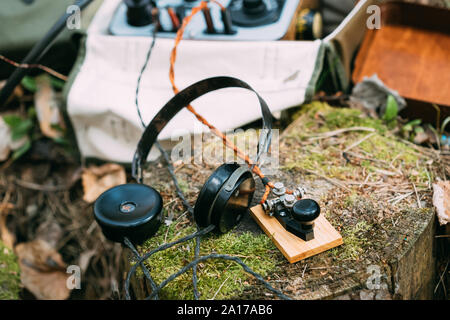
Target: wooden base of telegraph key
<point>292,247</point>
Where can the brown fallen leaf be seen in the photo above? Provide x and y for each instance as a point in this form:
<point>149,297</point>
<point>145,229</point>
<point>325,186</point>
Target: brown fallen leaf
<point>17,93</point>
<point>42,270</point>
<point>85,259</point>
<point>97,180</point>
<point>441,201</point>
<point>7,237</point>
<point>50,231</point>
<point>5,133</point>
<point>421,137</point>
<point>47,108</point>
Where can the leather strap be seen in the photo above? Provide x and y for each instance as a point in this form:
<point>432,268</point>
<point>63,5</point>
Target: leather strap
<point>183,99</point>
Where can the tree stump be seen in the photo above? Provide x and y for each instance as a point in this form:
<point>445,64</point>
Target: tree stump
<point>373,187</point>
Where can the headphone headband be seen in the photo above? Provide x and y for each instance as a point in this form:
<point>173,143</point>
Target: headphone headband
<point>183,99</point>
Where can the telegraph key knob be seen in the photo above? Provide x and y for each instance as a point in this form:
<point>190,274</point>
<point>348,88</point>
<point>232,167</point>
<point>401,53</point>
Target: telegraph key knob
<point>139,12</point>
<point>129,210</point>
<point>255,7</point>
<point>306,211</point>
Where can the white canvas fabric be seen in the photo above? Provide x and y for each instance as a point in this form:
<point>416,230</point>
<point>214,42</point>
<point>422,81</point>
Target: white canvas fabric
<point>101,100</point>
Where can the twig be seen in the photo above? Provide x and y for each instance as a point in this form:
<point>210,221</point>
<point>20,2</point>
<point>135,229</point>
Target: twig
<point>376,183</point>
<point>359,142</point>
<point>426,152</point>
<point>395,158</point>
<point>304,269</point>
<point>339,131</point>
<point>442,279</point>
<point>33,66</point>
<point>400,198</point>
<point>323,268</point>
<point>214,297</point>
<point>38,187</point>
<point>332,181</point>
<point>417,195</point>
<point>167,204</point>
<point>365,180</point>
<point>7,164</point>
<point>180,166</point>
<point>366,158</point>
<point>394,223</point>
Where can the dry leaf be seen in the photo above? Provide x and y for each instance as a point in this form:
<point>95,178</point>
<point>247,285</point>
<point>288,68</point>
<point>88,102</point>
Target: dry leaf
<point>47,109</point>
<point>50,231</point>
<point>6,236</point>
<point>6,142</point>
<point>441,201</point>
<point>421,137</point>
<point>97,180</point>
<point>42,270</point>
<point>5,134</point>
<point>85,258</point>
<point>17,93</point>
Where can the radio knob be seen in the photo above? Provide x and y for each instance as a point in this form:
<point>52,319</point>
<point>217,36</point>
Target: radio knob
<point>139,12</point>
<point>254,7</point>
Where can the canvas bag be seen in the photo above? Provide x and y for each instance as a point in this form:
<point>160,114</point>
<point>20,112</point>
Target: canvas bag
<point>100,93</point>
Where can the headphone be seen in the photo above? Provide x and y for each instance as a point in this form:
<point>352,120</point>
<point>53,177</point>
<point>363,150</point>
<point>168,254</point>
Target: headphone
<point>134,210</point>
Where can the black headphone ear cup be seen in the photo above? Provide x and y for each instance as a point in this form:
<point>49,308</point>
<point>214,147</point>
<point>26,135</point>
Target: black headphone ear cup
<point>129,210</point>
<point>209,192</point>
<point>225,197</point>
<point>232,203</point>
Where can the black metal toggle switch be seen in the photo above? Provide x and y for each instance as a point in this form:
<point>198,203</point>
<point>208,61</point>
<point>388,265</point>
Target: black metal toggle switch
<point>226,20</point>
<point>181,12</point>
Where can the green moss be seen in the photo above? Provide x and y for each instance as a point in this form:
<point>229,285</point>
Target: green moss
<point>220,278</point>
<point>346,118</point>
<point>336,118</point>
<point>387,149</point>
<point>380,151</point>
<point>184,186</point>
<point>350,200</point>
<point>354,241</point>
<point>9,274</point>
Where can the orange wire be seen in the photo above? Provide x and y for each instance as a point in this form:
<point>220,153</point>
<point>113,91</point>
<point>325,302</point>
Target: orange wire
<point>218,3</point>
<point>32,66</point>
<point>213,129</point>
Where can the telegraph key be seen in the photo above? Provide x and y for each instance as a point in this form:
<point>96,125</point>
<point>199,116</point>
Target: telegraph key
<point>295,226</point>
<point>237,20</point>
<point>296,216</point>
